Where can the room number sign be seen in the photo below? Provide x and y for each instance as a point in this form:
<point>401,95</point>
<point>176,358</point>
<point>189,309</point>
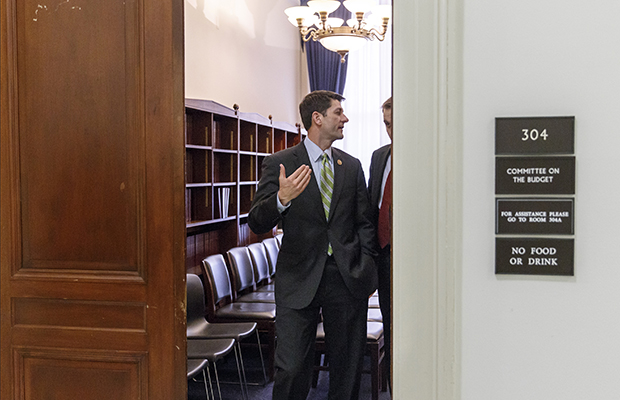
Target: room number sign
<point>534,135</point>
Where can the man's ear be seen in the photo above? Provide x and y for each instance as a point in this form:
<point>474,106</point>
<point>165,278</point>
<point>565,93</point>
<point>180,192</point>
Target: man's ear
<point>317,118</point>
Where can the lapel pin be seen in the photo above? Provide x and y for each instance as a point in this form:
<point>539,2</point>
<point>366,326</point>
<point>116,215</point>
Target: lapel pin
<point>339,162</point>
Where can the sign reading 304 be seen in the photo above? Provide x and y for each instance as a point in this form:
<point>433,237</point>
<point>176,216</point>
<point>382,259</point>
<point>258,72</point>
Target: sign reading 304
<point>534,135</point>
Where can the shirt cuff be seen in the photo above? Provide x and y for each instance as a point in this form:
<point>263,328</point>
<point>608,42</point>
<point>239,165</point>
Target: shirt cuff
<point>281,208</point>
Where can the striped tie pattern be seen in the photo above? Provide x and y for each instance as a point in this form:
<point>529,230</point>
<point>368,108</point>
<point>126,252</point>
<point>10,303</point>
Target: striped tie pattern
<point>326,187</point>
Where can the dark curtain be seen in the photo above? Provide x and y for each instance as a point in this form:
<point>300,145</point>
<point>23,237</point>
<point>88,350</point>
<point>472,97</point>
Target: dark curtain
<point>325,70</point>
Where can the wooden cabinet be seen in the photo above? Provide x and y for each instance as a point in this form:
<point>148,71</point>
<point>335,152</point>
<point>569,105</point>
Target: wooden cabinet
<point>224,151</point>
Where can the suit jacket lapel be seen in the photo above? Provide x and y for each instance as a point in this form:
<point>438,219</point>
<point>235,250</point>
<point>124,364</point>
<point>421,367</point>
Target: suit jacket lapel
<point>378,177</point>
<point>312,190</point>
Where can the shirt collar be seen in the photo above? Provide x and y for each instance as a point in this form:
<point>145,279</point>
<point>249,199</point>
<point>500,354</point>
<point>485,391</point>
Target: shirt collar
<point>315,152</point>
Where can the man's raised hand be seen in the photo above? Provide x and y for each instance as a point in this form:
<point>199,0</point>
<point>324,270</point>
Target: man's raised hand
<point>293,185</point>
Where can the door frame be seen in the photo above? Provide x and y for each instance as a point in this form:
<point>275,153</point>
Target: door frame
<point>427,165</point>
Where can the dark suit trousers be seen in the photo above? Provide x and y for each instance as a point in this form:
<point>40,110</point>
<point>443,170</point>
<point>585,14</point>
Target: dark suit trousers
<point>385,296</point>
<point>344,319</point>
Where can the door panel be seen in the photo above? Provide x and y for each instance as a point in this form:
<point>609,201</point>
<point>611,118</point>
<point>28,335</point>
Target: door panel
<point>76,376</point>
<point>92,202</point>
<point>90,54</point>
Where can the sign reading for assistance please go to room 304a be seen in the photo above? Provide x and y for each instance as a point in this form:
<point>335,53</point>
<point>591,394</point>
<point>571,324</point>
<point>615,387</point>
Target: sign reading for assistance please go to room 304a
<point>534,216</point>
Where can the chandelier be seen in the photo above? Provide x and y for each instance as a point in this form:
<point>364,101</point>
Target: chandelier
<point>370,22</point>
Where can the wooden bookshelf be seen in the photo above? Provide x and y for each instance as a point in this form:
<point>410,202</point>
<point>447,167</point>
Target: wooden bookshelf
<point>224,151</point>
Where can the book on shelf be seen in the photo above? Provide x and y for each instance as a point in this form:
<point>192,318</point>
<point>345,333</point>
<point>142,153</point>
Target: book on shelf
<point>207,176</point>
<point>216,133</point>
<point>186,124</point>
<point>189,167</point>
<point>223,195</point>
<point>188,205</point>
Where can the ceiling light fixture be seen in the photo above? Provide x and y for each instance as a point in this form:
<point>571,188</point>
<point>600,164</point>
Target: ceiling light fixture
<point>370,22</point>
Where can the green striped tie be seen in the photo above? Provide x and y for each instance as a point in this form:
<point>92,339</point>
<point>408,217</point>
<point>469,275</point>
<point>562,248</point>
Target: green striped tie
<point>327,187</point>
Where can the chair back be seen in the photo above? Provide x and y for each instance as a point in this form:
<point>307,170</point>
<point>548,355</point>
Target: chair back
<point>216,273</point>
<point>260,263</point>
<point>241,268</point>
<point>272,249</point>
<point>195,300</point>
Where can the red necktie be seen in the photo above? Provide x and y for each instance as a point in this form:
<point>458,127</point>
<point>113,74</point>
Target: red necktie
<point>385,213</point>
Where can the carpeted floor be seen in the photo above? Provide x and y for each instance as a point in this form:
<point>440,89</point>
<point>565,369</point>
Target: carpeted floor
<point>227,372</point>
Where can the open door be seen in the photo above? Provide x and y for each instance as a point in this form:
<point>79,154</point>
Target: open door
<point>92,200</point>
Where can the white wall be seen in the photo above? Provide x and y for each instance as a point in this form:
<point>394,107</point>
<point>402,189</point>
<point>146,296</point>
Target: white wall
<point>244,52</point>
<point>541,338</point>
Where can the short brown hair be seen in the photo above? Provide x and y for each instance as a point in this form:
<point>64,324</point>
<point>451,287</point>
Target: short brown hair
<point>387,105</point>
<point>319,100</point>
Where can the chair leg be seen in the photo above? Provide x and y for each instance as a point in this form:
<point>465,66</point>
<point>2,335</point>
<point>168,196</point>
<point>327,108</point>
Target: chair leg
<point>383,368</point>
<point>208,373</point>
<point>374,370</point>
<point>204,381</point>
<point>262,361</point>
<point>272,348</point>
<point>217,381</point>
<point>317,366</point>
<point>243,383</point>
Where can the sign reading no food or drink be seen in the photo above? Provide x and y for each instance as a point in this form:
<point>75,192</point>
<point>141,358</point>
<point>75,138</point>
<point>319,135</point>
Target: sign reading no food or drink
<point>534,256</point>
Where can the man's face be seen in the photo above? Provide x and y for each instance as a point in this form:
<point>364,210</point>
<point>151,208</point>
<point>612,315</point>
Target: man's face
<point>387,120</point>
<point>333,122</point>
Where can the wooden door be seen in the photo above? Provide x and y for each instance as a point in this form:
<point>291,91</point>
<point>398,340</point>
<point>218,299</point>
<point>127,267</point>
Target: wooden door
<point>92,221</point>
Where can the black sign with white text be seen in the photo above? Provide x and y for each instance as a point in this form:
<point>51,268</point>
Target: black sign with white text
<point>535,175</point>
<point>534,256</point>
<point>535,186</point>
<point>534,135</point>
<point>534,216</point>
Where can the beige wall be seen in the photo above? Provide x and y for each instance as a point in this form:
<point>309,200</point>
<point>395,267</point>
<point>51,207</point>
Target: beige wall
<point>244,52</point>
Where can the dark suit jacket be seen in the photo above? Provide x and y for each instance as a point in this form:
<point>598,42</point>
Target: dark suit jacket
<point>377,166</point>
<point>307,233</point>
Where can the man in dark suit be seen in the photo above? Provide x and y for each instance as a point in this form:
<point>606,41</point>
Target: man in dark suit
<point>326,262</point>
<point>380,190</point>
